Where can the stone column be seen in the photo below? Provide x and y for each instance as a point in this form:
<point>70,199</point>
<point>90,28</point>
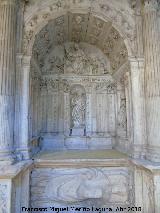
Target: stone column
<point>25,88</point>
<point>152,78</point>
<point>127,83</point>
<point>7,77</point>
<point>156,180</point>
<point>19,56</point>
<point>138,107</point>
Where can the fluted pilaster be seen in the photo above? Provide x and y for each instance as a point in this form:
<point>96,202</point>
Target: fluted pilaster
<point>152,78</point>
<point>7,75</point>
<point>24,135</point>
<point>138,107</point>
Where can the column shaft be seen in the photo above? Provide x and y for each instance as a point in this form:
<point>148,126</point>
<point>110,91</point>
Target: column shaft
<point>138,107</point>
<point>7,75</point>
<point>152,78</point>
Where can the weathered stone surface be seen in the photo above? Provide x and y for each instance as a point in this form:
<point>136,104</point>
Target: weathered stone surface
<point>91,187</point>
<point>82,75</point>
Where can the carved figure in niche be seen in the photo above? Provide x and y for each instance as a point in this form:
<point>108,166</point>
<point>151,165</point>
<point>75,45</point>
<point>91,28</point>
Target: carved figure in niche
<point>78,110</point>
<point>122,119</point>
<point>78,107</point>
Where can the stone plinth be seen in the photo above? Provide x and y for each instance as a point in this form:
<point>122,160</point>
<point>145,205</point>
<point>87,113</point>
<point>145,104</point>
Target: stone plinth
<point>78,132</point>
<point>63,142</point>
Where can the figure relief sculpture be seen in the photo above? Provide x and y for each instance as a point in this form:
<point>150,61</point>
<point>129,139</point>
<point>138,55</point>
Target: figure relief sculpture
<point>78,110</point>
<point>75,59</point>
<point>122,117</point>
<point>78,107</point>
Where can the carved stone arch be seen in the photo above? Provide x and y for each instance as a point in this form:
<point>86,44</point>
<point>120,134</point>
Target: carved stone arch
<point>37,19</point>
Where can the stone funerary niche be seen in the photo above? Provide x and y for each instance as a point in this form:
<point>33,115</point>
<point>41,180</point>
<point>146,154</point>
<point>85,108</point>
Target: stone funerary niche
<point>77,98</point>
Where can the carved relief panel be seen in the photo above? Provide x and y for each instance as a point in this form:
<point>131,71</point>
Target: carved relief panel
<point>90,187</point>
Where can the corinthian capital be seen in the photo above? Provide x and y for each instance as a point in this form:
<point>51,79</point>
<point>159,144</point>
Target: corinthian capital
<point>150,5</point>
<point>8,2</point>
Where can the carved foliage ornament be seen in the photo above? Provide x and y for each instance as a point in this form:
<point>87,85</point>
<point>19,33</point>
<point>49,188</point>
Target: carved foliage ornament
<point>51,85</point>
<point>107,87</point>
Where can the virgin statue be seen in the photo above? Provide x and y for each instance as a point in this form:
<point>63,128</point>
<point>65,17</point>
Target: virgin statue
<point>78,110</point>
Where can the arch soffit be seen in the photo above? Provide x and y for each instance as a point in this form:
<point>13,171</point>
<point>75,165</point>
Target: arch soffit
<point>38,17</point>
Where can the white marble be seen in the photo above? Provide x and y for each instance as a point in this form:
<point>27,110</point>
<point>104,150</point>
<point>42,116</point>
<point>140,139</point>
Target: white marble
<point>79,76</point>
<point>152,78</point>
<point>7,78</point>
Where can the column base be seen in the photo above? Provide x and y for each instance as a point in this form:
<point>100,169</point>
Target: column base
<point>7,157</point>
<point>153,154</point>
<point>138,151</point>
<point>23,153</point>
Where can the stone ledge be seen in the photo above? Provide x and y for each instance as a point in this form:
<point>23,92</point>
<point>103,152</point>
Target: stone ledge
<point>11,171</point>
<point>82,163</point>
<point>147,165</point>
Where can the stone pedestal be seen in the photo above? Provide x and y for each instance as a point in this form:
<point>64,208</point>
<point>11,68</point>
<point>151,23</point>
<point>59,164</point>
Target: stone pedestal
<point>7,78</point>
<point>147,185</point>
<point>78,131</point>
<point>14,187</point>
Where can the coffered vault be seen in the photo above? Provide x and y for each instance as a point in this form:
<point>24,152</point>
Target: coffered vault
<point>79,74</point>
<point>77,28</point>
